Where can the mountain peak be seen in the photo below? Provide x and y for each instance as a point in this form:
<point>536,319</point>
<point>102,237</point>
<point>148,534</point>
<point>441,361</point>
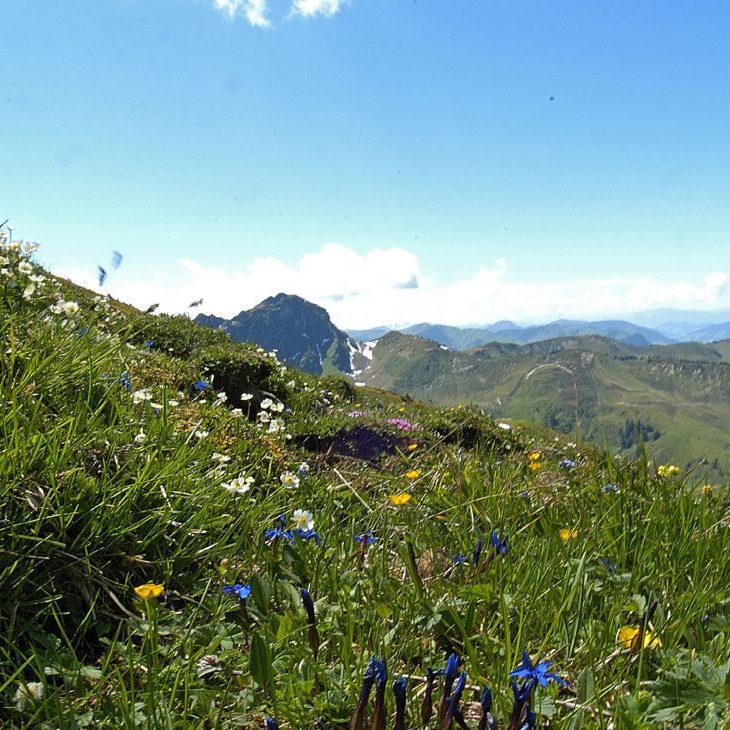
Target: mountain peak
<point>301,332</point>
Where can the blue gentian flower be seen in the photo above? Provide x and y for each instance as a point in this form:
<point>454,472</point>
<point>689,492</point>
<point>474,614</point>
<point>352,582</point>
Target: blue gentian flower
<point>366,538</point>
<point>459,559</point>
<point>243,591</point>
<point>277,533</point>
<point>201,385</point>
<point>500,546</point>
<point>381,675</point>
<point>399,690</point>
<point>487,721</point>
<point>609,488</point>
<point>567,464</point>
<point>125,381</point>
<point>477,553</point>
<point>271,724</point>
<point>535,674</point>
<point>308,535</point>
<point>149,344</point>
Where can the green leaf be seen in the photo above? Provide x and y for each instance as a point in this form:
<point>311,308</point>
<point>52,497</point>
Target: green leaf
<point>260,662</point>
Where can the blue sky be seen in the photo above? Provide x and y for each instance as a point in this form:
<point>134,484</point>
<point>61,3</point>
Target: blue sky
<point>451,160</point>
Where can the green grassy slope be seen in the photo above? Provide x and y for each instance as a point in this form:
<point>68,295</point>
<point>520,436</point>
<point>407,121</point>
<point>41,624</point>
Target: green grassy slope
<point>588,386</point>
<point>195,537</point>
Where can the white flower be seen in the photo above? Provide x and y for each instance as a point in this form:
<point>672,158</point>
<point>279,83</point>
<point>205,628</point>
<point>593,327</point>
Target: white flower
<point>263,416</point>
<point>504,426</point>
<point>303,519</point>
<point>276,407</point>
<point>246,396</point>
<point>220,458</point>
<point>239,485</point>
<point>69,308</point>
<point>276,425</point>
<point>27,691</point>
<point>267,403</point>
<point>29,291</point>
<point>289,480</point>
<point>236,412</point>
<point>171,402</point>
<point>292,384</point>
<point>25,268</point>
<point>303,470</point>
<point>201,434</point>
<point>140,438</point>
<point>141,395</point>
<point>220,398</point>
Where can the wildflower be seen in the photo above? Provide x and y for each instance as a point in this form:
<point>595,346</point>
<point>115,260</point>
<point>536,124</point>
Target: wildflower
<point>487,721</point>
<point>707,489</point>
<point>535,465</point>
<point>449,671</point>
<point>278,533</point>
<point>239,485</point>
<point>504,426</point>
<point>367,538</point>
<point>289,480</point>
<point>147,591</point>
<point>271,724</point>
<point>452,702</point>
<point>69,308</point>
<point>124,380</point>
<point>568,534</point>
<point>201,385</point>
<point>236,412</point>
<point>399,690</point>
<point>476,554</point>
<point>276,425</point>
<point>243,591</point>
<point>200,434</point>
<point>139,396</point>
<point>567,464</point>
<point>267,403</point>
<point>303,470</point>
<point>401,424</point>
<point>246,396</point>
<point>381,675</point>
<point>534,456</point>
<point>303,519</point>
<point>609,488</point>
<point>411,447</point>
<point>535,674</point>
<point>631,636</point>
<point>27,691</point>
<point>313,634</point>
<point>412,474</point>
<point>401,498</point>
<point>140,438</point>
<point>459,559</point>
<point>368,680</point>
<point>668,470</point>
<point>500,546</point>
<point>149,344</point>
<point>356,414</point>
<point>308,535</point>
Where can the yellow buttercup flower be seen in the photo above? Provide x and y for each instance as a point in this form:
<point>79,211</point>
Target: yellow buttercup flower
<point>535,465</point>
<point>412,447</point>
<point>413,474</point>
<point>568,534</point>
<point>398,499</point>
<point>629,637</point>
<point>668,470</point>
<point>149,590</point>
<point>534,456</point>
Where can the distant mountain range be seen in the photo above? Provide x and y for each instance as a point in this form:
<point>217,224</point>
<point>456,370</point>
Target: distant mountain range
<point>463,338</point>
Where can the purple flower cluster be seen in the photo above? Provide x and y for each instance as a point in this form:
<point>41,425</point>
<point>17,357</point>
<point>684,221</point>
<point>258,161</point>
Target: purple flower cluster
<point>401,423</point>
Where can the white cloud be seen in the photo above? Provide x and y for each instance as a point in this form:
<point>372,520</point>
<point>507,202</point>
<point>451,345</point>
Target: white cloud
<point>386,286</point>
<point>253,10</point>
<point>309,8</point>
